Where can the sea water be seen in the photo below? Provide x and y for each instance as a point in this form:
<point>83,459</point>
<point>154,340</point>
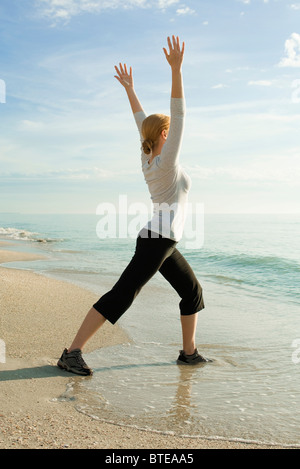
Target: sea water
<point>249,269</point>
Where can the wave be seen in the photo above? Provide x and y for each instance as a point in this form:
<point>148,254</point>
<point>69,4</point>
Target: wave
<point>244,261</point>
<point>272,274</point>
<point>23,235</point>
<point>85,410</point>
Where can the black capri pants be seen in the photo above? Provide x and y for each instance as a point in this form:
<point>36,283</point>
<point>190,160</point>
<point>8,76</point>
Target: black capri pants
<point>153,253</point>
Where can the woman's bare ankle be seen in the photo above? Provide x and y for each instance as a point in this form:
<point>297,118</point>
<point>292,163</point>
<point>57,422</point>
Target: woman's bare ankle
<point>189,350</point>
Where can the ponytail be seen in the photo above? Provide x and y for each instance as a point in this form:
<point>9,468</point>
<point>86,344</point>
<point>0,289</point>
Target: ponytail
<point>152,128</point>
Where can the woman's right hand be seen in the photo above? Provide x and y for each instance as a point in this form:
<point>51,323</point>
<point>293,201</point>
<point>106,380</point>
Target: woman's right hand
<point>125,78</point>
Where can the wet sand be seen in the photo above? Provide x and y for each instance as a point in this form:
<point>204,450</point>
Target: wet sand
<point>38,319</point>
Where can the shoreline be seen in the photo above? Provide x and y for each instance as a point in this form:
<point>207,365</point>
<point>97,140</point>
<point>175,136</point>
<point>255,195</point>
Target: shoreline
<point>39,316</point>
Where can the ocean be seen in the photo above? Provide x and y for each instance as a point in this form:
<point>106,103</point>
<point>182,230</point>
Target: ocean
<point>249,268</point>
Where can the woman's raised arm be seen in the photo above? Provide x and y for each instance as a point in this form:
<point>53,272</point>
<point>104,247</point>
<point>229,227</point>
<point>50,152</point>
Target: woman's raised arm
<point>126,80</point>
<point>175,59</point>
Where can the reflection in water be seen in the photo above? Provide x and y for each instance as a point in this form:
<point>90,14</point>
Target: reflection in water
<point>231,398</point>
<point>151,395</point>
<point>181,410</point>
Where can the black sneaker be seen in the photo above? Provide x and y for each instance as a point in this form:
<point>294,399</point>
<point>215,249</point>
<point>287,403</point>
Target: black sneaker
<point>193,359</point>
<point>74,363</point>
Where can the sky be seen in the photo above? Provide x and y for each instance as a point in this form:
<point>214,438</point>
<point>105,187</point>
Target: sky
<point>68,141</point>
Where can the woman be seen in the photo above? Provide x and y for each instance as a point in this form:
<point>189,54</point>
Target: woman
<point>156,244</point>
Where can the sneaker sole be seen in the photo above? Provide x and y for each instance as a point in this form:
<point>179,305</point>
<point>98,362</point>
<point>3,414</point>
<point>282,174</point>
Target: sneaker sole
<point>200,362</point>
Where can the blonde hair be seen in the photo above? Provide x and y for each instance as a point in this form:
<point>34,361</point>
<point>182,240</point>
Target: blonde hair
<point>152,127</point>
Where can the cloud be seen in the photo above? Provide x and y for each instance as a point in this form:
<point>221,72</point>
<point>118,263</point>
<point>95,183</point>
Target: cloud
<point>92,173</point>
<point>260,83</point>
<point>219,86</point>
<point>64,10</point>
<point>260,172</point>
<point>185,11</point>
<point>162,4</point>
<point>32,125</point>
<point>292,49</point>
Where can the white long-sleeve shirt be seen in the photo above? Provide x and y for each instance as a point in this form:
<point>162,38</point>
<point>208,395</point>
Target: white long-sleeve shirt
<point>167,182</point>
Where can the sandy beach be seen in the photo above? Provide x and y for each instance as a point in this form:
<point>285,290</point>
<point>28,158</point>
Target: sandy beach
<point>39,317</point>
